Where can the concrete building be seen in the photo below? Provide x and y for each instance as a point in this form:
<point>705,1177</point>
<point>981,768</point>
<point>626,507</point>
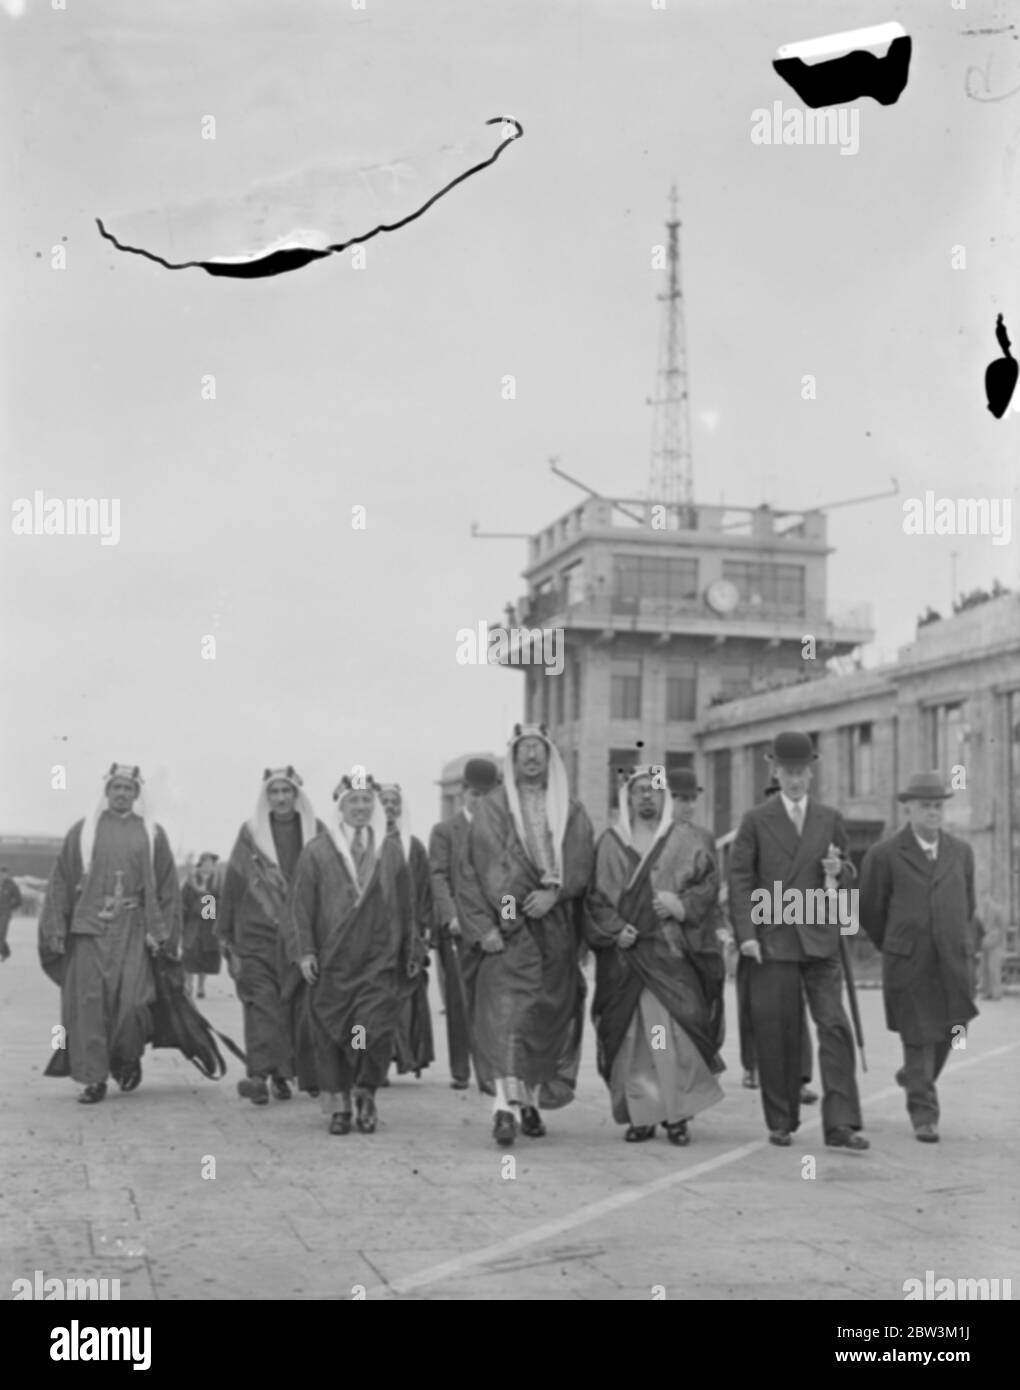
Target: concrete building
<point>663,611</point>
<point>950,701</point>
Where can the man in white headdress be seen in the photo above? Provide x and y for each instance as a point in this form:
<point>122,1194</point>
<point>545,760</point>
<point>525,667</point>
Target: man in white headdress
<point>413,1047</point>
<point>528,861</point>
<point>112,897</point>
<point>249,927</point>
<point>653,918</point>
<point>350,932</point>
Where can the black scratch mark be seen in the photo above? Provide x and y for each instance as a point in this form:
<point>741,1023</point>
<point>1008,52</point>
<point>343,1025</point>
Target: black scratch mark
<point>286,258</point>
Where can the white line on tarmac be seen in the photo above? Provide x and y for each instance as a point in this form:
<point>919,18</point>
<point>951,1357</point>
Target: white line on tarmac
<point>450,1269</point>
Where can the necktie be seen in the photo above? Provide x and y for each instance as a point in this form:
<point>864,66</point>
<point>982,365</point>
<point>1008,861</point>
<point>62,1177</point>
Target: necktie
<point>930,852</point>
<point>360,851</point>
<point>797,815</point>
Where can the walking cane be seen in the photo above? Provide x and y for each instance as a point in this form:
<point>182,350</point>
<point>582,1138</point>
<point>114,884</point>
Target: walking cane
<point>848,974</point>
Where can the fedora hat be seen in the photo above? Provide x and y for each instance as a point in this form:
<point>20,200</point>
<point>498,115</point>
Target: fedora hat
<point>684,782</point>
<point>924,786</point>
<point>791,748</point>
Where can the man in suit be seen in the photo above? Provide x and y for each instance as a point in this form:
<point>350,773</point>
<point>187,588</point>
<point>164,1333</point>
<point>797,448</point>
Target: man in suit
<point>917,905</point>
<point>447,845</point>
<point>748,1060</point>
<point>791,841</point>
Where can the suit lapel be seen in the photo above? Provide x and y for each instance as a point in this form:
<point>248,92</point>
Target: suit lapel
<point>781,826</point>
<point>945,859</point>
<point>809,845</point>
<point>912,851</point>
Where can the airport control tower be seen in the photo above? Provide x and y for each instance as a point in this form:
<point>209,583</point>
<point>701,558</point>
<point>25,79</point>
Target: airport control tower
<point>668,606</point>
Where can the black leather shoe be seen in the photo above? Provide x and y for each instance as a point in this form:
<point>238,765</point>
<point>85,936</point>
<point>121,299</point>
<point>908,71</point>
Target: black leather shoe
<point>678,1133</point>
<point>750,1081</point>
<point>504,1128</point>
<point>927,1134</point>
<point>92,1095</point>
<point>130,1078</point>
<point>781,1137</point>
<point>639,1134</point>
<point>531,1122</point>
<point>281,1090</point>
<point>807,1096</point>
<point>313,1091</point>
<point>254,1088</point>
<point>340,1123</point>
<point>844,1138</point>
<point>459,1085</point>
<point>367,1115</point>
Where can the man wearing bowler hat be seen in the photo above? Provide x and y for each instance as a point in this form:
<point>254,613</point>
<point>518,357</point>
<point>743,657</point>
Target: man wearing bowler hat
<point>447,847</point>
<point>917,905</point>
<point>793,842</point>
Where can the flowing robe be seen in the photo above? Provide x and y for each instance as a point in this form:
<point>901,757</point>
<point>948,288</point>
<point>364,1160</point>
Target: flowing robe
<point>526,1002</point>
<point>364,944</point>
<point>250,917</point>
<point>413,1042</point>
<point>97,952</point>
<point>666,987</point>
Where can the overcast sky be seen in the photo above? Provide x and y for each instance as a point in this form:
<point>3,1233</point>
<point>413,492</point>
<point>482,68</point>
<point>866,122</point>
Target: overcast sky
<point>381,387</point>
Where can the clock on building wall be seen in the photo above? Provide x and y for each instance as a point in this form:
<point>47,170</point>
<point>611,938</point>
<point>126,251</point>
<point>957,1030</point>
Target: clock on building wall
<point>722,596</point>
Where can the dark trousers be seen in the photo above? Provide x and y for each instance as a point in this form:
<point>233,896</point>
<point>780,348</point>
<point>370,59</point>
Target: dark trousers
<point>267,1040</point>
<point>748,1058</point>
<point>922,1066</point>
<point>456,1015</point>
<point>777,989</point>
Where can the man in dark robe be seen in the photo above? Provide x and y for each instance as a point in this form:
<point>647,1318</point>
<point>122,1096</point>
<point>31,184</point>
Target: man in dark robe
<point>200,952</point>
<point>917,906</point>
<point>447,847</point>
<point>653,919</point>
<point>10,901</point>
<point>525,874</point>
<point>413,1048</point>
<point>792,843</point>
<point>250,929</point>
<point>350,930</point>
<point>112,898</point>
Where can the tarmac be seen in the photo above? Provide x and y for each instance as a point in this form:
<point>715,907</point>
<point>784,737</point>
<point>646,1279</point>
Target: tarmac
<point>183,1190</point>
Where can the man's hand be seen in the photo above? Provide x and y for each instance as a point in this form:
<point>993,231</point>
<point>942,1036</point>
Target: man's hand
<point>752,949</point>
<point>454,927</point>
<point>309,968</point>
<point>627,937</point>
<point>832,865</point>
<point>492,942</point>
<point>539,902</point>
<point>56,945</point>
<point>667,904</point>
<point>152,943</point>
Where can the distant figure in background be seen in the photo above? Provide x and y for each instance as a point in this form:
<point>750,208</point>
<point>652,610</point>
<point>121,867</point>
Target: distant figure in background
<point>993,950</point>
<point>413,1048</point>
<point>200,951</point>
<point>113,896</point>
<point>10,901</point>
<point>748,1056</point>
<point>917,905</point>
<point>447,847</point>
<point>250,923</point>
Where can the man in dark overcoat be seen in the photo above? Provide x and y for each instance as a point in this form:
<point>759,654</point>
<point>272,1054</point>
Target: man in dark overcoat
<point>917,906</point>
